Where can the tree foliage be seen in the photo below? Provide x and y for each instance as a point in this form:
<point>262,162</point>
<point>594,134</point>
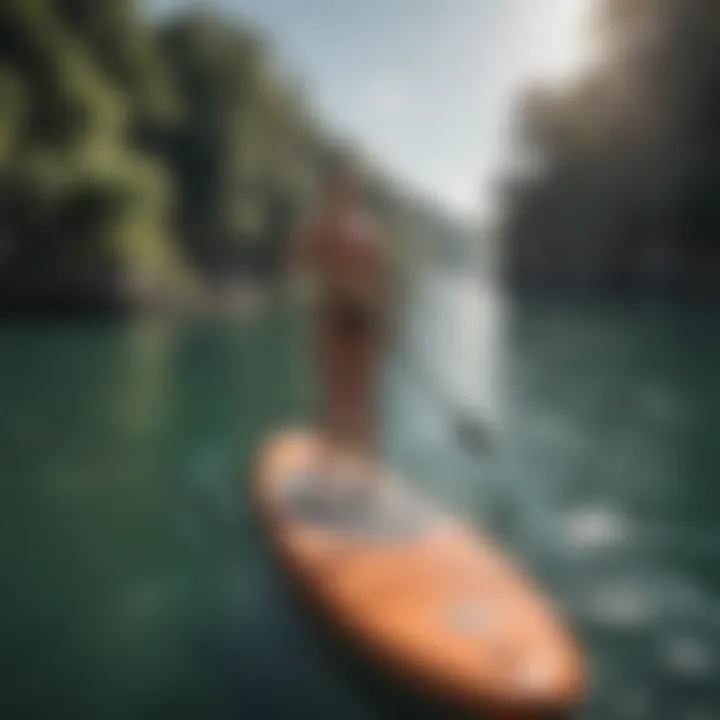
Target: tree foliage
<point>625,188</point>
<point>136,157</point>
<point>140,158</point>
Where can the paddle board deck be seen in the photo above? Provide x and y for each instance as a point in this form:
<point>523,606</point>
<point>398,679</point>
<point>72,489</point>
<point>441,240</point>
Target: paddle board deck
<point>430,601</point>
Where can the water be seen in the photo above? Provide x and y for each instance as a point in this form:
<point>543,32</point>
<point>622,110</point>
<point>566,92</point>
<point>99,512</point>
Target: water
<point>136,584</point>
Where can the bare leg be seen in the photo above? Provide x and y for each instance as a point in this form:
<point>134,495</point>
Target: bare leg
<point>337,442</point>
<point>367,425</point>
<point>328,448</point>
<point>349,420</point>
<point>373,468</point>
<point>361,460</point>
<point>327,456</point>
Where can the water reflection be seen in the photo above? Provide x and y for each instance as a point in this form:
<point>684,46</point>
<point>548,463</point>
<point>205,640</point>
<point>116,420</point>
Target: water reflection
<point>606,454</point>
<point>134,570</point>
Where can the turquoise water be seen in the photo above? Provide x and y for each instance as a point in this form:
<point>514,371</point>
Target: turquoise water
<point>137,585</point>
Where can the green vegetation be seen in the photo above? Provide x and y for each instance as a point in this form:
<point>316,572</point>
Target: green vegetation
<point>621,192</point>
<point>141,162</point>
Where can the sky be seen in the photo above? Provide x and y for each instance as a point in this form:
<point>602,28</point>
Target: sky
<point>427,86</point>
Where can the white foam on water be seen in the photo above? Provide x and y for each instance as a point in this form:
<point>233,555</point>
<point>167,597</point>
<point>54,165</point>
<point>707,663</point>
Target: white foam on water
<point>624,605</point>
<point>688,657</point>
<point>594,528</point>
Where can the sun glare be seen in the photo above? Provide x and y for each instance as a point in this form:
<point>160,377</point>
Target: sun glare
<point>564,42</point>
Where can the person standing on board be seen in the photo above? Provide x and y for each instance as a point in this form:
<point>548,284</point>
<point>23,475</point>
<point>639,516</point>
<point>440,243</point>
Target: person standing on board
<point>342,250</point>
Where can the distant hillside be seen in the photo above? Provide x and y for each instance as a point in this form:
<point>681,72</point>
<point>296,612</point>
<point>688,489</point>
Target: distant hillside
<point>622,196</point>
<point>151,163</point>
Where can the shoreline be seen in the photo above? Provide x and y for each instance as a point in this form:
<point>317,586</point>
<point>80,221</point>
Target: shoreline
<point>242,301</point>
<point>247,299</point>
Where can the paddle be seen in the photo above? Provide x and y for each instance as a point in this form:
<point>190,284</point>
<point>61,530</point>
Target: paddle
<point>473,433</point>
<point>469,429</point>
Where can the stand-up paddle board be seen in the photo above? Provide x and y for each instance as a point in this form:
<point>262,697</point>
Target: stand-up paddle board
<point>426,598</point>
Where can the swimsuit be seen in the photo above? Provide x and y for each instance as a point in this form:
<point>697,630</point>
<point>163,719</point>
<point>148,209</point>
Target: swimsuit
<point>353,319</point>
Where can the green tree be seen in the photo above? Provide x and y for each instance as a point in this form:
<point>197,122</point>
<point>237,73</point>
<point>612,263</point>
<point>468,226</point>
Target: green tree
<point>629,178</point>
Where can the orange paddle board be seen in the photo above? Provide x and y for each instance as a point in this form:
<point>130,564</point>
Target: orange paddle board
<point>429,600</point>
